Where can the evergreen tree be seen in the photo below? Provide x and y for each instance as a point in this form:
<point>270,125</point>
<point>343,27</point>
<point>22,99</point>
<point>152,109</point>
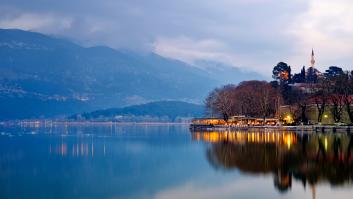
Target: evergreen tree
<point>333,71</point>
<point>282,72</point>
<point>302,75</point>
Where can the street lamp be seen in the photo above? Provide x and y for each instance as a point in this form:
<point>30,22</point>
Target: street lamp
<point>288,119</point>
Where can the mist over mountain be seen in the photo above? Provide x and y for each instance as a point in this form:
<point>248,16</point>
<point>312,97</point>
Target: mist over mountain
<point>227,74</point>
<point>43,76</point>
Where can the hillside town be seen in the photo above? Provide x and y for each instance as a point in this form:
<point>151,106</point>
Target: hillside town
<point>310,97</point>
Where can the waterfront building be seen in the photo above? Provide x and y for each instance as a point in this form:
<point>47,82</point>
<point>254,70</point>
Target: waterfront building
<point>237,120</point>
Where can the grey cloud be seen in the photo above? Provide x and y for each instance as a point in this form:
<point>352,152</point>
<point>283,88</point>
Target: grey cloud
<point>255,32</point>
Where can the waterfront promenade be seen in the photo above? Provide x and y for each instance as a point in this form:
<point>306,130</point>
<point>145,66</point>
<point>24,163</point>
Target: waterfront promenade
<point>300,128</point>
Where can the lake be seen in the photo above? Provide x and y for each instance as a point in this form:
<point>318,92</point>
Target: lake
<point>169,161</point>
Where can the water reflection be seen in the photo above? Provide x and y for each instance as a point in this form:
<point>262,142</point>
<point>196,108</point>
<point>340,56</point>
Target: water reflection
<point>86,146</point>
<point>308,158</point>
<point>94,161</point>
<point>75,149</point>
<point>141,161</point>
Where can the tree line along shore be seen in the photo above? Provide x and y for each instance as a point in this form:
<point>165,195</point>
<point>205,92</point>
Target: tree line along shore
<point>309,97</point>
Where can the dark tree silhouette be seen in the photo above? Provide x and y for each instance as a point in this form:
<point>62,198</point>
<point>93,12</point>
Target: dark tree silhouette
<point>282,72</point>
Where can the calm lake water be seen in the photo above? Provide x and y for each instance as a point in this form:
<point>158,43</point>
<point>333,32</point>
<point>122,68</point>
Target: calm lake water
<point>148,161</point>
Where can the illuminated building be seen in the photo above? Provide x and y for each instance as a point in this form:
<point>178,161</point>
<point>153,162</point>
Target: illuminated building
<point>238,120</point>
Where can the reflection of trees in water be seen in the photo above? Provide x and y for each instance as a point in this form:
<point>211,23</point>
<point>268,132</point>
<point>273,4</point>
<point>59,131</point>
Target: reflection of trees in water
<point>312,159</point>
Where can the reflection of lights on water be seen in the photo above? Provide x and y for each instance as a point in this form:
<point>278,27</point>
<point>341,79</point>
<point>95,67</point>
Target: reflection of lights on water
<point>288,142</point>
<point>213,137</point>
<point>289,139</point>
<point>285,138</point>
<point>75,150</point>
<point>63,149</point>
<point>104,149</point>
<point>325,143</point>
<point>198,137</point>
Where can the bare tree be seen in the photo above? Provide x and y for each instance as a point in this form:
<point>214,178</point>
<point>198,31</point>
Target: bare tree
<point>256,98</point>
<point>321,92</point>
<point>337,81</point>
<point>246,94</point>
<point>337,106</point>
<point>348,99</point>
<point>343,90</point>
<point>251,98</point>
<point>221,101</point>
<point>267,99</point>
<point>300,105</point>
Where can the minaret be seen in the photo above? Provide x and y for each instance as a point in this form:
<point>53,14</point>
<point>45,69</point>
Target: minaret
<point>312,61</point>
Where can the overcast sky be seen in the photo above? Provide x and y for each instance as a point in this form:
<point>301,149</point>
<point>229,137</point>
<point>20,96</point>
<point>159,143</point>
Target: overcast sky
<point>251,34</point>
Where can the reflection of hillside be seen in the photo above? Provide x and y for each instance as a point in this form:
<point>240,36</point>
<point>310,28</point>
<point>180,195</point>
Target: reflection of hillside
<point>310,158</point>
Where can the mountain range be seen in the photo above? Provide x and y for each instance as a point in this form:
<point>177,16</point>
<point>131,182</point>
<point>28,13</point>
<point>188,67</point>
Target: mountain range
<point>44,76</point>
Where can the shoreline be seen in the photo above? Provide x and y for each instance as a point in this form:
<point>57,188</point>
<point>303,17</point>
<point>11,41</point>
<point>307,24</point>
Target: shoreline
<point>44,123</point>
<point>192,127</point>
<point>306,128</point>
